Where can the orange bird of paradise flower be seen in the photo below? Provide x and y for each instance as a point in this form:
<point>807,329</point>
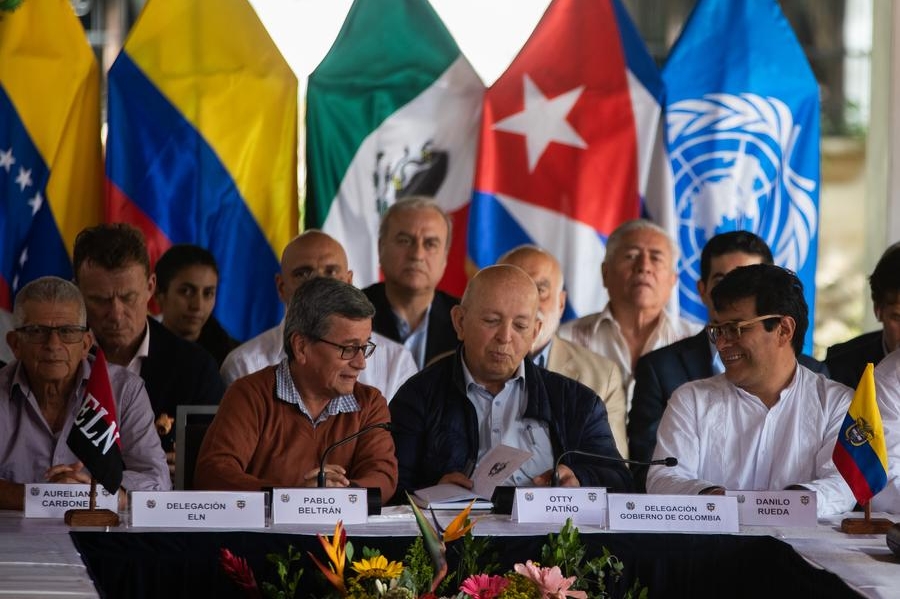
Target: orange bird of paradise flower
<point>335,549</point>
<point>435,544</point>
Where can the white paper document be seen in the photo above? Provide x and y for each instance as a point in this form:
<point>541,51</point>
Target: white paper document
<point>495,467</point>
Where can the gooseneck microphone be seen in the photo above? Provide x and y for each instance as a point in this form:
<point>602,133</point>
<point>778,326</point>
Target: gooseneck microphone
<point>554,480</point>
<point>320,479</point>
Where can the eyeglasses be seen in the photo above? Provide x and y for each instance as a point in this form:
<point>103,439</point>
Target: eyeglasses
<point>731,331</point>
<point>348,352</point>
<point>38,333</point>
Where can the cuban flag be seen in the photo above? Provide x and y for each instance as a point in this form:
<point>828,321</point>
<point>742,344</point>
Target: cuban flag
<point>567,143</point>
<point>50,164</point>
<point>202,147</point>
<point>743,137</point>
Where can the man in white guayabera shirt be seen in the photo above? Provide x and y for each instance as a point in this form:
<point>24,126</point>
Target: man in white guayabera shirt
<point>767,423</point>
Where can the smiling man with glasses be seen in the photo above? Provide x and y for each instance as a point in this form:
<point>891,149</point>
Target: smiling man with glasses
<point>767,422</point>
<point>273,425</point>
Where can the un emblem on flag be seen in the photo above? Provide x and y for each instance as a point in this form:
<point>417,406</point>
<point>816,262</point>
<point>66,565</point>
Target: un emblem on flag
<point>736,166</point>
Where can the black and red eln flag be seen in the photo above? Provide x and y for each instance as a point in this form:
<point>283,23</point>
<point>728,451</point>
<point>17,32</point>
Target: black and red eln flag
<point>94,437</point>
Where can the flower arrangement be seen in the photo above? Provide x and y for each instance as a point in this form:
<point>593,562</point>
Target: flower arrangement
<point>563,570</point>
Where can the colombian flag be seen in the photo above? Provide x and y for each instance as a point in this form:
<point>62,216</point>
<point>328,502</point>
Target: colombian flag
<point>202,147</point>
<point>860,453</point>
<point>50,168</point>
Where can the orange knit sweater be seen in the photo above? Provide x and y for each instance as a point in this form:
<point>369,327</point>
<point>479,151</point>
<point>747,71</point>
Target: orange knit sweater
<point>257,441</point>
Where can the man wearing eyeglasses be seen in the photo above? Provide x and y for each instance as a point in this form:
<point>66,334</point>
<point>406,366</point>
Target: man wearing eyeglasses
<point>767,423</point>
<point>273,426</point>
<point>41,392</point>
<point>309,255</point>
<point>657,374</point>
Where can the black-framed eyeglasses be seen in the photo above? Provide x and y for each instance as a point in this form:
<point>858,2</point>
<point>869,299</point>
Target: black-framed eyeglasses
<point>38,333</point>
<point>731,331</point>
<point>348,352</point>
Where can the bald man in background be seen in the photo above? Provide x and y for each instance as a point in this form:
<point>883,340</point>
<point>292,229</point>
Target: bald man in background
<point>449,415</point>
<point>309,255</point>
<point>558,355</point>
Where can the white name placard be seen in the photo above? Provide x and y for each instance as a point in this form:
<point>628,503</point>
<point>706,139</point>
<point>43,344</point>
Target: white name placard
<point>776,508</point>
<point>319,506</point>
<point>584,505</point>
<point>681,513</point>
<point>54,500</point>
<point>199,509</point>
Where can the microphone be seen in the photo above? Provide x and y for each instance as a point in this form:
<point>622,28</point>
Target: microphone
<point>320,479</point>
<point>554,480</point>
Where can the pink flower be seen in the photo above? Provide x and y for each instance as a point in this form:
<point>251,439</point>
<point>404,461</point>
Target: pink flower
<point>483,586</point>
<point>550,581</point>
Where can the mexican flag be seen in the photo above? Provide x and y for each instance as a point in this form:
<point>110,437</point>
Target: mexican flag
<point>392,110</point>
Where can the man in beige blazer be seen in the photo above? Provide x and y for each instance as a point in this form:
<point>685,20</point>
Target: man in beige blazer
<point>561,356</point>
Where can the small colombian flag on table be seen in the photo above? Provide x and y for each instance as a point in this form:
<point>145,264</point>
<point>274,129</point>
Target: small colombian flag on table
<point>860,453</point>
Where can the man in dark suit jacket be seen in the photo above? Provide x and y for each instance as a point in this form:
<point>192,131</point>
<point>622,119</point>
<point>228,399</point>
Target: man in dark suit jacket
<point>846,361</point>
<point>413,241</point>
<point>658,373</point>
<point>112,270</point>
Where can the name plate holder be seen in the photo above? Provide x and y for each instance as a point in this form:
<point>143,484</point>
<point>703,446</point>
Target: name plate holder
<point>198,509</point>
<point>776,508</point>
<point>319,505</point>
<point>584,505</point>
<point>53,500</point>
<point>673,513</point>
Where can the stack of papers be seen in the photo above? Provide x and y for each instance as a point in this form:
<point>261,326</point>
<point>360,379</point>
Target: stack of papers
<point>495,467</point>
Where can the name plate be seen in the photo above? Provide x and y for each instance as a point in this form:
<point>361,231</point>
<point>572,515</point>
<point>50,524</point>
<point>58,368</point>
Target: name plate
<point>52,500</point>
<point>584,505</point>
<point>776,508</point>
<point>199,509</point>
<point>320,506</point>
<point>681,513</point>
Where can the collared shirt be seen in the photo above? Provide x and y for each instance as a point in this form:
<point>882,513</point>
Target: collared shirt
<point>386,369</point>
<point>415,341</point>
<point>28,447</point>
<point>600,333</point>
<point>887,394</point>
<point>542,358</point>
<point>724,436</point>
<point>501,422</point>
<point>143,351</point>
<point>286,391</point>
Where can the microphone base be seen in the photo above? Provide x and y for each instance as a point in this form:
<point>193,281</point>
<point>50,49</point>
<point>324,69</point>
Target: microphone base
<point>502,498</point>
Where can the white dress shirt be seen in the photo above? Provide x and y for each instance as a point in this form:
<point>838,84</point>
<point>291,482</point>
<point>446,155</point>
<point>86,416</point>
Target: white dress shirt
<point>601,334</point>
<point>386,370</point>
<point>724,436</point>
<point>887,392</point>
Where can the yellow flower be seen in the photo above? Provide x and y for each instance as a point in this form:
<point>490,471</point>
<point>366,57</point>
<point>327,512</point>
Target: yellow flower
<point>378,567</point>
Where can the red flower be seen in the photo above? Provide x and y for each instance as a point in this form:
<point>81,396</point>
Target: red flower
<point>239,571</point>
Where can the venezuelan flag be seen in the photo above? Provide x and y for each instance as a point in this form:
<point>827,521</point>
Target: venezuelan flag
<point>50,166</point>
<point>860,453</point>
<point>202,147</point>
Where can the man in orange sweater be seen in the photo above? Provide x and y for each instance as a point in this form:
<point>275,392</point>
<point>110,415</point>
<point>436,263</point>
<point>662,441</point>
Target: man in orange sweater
<point>273,426</point>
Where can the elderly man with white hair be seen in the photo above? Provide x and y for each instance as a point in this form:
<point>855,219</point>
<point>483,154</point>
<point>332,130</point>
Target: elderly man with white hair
<point>639,273</point>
